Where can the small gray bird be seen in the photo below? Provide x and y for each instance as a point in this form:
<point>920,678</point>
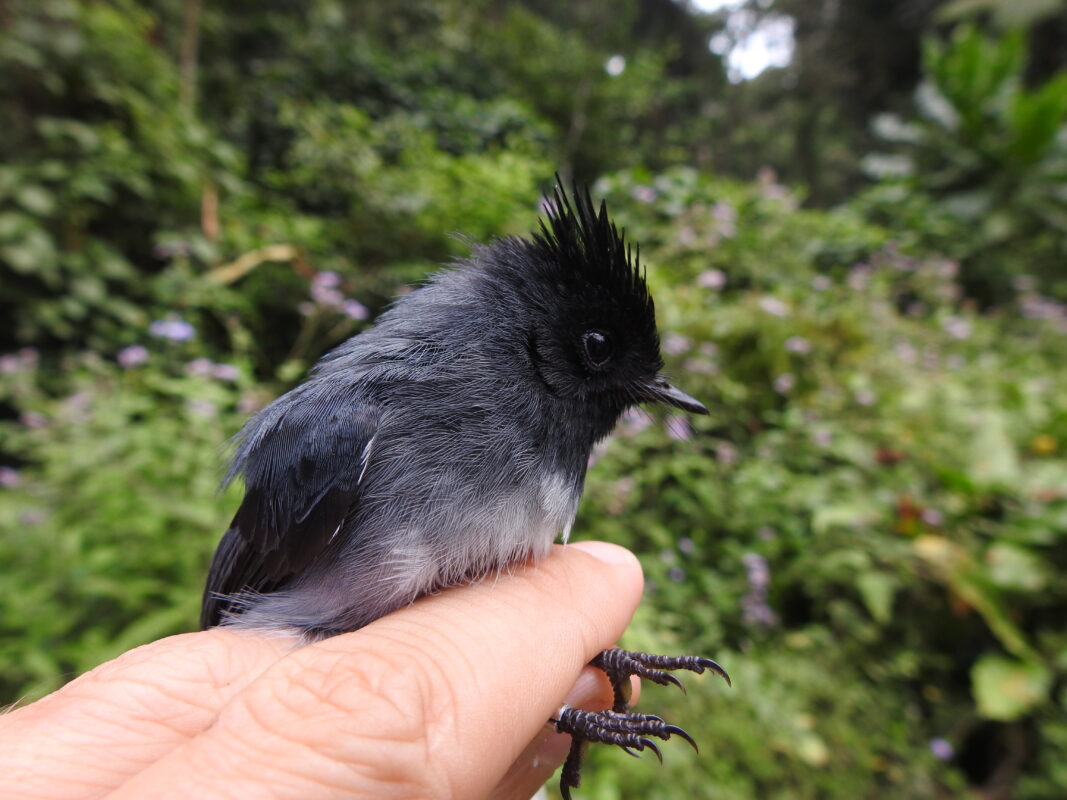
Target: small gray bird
<point>449,441</point>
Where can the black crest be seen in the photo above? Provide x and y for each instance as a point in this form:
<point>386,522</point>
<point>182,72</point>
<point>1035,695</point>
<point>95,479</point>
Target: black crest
<point>585,242</point>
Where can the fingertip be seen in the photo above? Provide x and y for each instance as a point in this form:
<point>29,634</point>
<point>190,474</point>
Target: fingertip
<point>608,553</point>
<point>626,568</point>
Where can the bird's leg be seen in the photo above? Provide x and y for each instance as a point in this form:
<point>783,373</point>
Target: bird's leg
<point>632,732</point>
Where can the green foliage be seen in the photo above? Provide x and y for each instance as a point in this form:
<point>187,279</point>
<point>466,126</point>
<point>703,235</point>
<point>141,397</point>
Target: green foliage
<point>105,539</point>
<point>876,494</point>
<point>991,156</point>
<point>96,160</point>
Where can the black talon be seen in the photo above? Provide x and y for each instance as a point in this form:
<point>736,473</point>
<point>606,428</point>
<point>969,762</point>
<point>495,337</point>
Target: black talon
<point>675,730</point>
<point>671,679</point>
<point>707,663</point>
<point>652,746</point>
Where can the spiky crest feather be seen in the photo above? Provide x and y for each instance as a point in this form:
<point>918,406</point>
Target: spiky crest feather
<point>585,242</point>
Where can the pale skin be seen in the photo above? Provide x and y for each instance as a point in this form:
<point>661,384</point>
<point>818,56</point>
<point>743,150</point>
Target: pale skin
<point>447,698</point>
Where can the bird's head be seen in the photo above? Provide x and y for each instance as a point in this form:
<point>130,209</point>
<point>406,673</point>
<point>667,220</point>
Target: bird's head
<point>590,323</point>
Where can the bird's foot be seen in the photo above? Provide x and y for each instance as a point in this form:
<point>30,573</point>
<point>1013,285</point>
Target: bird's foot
<point>620,664</point>
<point>632,732</point>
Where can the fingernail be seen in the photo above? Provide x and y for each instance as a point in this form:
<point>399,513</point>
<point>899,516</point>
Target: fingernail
<point>608,553</point>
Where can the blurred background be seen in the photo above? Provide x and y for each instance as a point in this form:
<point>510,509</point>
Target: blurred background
<point>854,215</point>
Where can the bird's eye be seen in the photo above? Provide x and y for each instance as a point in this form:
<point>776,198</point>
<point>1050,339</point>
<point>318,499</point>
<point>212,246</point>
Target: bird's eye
<point>597,347</point>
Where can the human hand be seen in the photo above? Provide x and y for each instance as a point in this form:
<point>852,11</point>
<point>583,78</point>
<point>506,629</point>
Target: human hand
<point>446,698</point>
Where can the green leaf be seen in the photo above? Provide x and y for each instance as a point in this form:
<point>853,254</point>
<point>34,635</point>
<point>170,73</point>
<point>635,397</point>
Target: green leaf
<point>36,199</point>
<point>877,590</point>
<point>1012,567</point>
<point>1005,690</point>
<point>993,456</point>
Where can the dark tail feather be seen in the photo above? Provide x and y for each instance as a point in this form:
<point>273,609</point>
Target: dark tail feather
<point>224,579</point>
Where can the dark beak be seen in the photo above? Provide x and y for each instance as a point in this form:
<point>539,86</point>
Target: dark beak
<point>659,391</point>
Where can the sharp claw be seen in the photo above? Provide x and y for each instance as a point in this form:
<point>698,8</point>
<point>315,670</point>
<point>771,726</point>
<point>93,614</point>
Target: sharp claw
<point>652,746</point>
<point>629,752</point>
<point>671,679</point>
<point>674,730</point>
<point>565,792</point>
<point>707,663</point>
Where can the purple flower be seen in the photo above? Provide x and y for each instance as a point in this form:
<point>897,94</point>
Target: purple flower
<point>948,268</point>
<point>678,428</point>
<point>956,327</point>
<point>942,749</point>
<point>865,397</point>
<point>932,517</point>
<point>249,403</point>
<point>726,453</point>
<point>225,372</point>
<point>798,345</point>
<point>132,356</point>
<point>201,408</point>
<point>860,276</point>
<point>724,212</point>
<point>822,438</point>
<point>754,604</point>
<point>174,329</point>
<point>326,295</point>
<point>32,516</point>
<point>784,383</point>
<point>700,366</point>
<point>759,573</point>
<point>711,279</point>
<point>635,420</point>
<point>726,217</point>
<point>676,574</point>
<point>773,306</point>
<point>167,250</point>
<point>674,344</point>
<point>200,367</point>
<point>326,279</point>
<point>687,545</point>
<point>906,352</point>
<point>10,364</point>
<point>821,283</point>
<point>355,309</point>
<point>22,361</point>
<point>755,611</point>
<point>9,478</point>
<point>1036,307</point>
<point>644,194</point>
<point>33,420</point>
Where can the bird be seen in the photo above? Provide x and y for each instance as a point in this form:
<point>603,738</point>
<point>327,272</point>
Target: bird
<point>450,441</point>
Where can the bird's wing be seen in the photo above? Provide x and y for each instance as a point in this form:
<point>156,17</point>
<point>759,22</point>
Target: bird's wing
<point>302,470</point>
